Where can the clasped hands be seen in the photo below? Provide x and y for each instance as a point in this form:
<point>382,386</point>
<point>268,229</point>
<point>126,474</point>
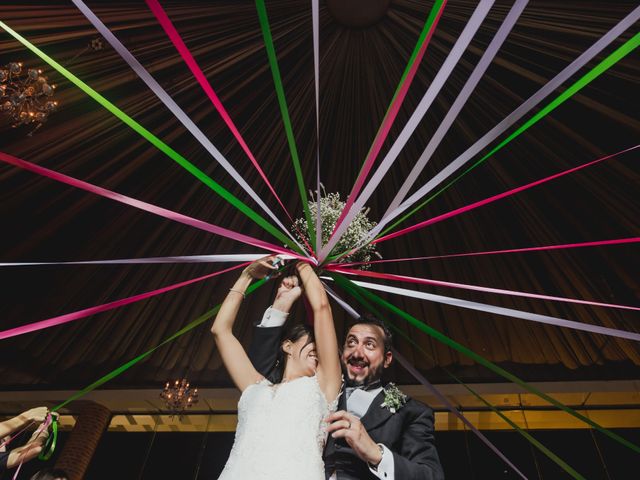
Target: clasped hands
<point>290,288</point>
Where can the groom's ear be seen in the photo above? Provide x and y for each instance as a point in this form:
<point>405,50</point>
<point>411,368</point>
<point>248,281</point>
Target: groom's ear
<point>388,358</point>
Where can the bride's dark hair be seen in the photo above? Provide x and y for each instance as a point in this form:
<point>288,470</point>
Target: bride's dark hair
<point>293,334</point>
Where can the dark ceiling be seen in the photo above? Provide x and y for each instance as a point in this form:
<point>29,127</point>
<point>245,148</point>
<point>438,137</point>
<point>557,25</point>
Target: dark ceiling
<point>360,68</point>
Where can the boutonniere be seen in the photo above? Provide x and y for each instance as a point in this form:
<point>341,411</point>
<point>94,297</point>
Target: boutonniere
<point>393,398</point>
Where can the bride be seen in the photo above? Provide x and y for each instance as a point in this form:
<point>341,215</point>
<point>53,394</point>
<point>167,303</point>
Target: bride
<point>280,432</point>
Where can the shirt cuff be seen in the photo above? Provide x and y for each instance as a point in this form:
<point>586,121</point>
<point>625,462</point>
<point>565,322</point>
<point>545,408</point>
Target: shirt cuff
<point>385,469</point>
<point>273,318</point>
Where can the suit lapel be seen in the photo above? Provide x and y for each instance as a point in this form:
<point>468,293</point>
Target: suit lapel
<point>376,414</point>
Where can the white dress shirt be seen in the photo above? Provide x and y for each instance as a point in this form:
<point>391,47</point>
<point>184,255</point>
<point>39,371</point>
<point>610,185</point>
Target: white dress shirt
<point>357,403</point>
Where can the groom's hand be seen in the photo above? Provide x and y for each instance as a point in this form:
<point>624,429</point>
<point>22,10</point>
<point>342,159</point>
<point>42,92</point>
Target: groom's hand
<point>289,292</point>
<point>345,425</point>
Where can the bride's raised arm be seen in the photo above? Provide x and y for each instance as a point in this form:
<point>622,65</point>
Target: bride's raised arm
<point>329,370</point>
<point>233,355</point>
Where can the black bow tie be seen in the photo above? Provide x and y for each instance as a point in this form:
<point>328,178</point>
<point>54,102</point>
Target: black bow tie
<point>366,388</point>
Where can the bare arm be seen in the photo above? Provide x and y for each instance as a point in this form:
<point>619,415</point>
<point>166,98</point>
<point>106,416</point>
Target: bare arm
<point>233,355</point>
<point>329,370</point>
<point>35,415</point>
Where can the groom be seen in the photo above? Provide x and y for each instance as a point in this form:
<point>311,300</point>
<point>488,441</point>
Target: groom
<point>377,431</point>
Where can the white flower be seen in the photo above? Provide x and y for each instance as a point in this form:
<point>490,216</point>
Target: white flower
<point>394,399</point>
<point>331,207</point>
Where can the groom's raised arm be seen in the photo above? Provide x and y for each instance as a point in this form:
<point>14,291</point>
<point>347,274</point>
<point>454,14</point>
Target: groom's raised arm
<point>265,344</point>
<point>263,349</point>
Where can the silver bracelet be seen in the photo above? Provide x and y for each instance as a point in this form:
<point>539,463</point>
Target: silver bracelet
<point>238,291</point>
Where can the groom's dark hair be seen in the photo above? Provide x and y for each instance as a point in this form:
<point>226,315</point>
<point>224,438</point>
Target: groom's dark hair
<point>368,319</point>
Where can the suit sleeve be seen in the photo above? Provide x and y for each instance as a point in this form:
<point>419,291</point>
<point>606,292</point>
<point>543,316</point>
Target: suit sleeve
<point>418,458</point>
<point>263,349</point>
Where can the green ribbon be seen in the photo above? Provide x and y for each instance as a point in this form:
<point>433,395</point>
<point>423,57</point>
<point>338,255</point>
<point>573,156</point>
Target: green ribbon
<point>344,282</point>
<point>50,445</point>
<point>123,368</point>
<point>626,48</point>
<point>155,141</point>
<point>552,456</point>
<point>282,101</point>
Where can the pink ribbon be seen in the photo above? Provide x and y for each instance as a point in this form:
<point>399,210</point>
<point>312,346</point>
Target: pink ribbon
<point>599,243</point>
<point>177,41</point>
<point>73,316</point>
<point>477,288</point>
<point>162,212</point>
<point>500,196</point>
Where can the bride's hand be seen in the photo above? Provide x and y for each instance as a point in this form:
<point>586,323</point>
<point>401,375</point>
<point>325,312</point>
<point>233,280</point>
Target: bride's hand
<point>261,268</point>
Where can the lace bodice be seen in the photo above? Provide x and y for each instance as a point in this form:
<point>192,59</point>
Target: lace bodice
<point>280,433</point>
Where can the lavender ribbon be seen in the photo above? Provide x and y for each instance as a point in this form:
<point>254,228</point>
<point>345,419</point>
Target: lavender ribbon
<point>315,14</point>
<point>508,312</point>
<point>249,257</point>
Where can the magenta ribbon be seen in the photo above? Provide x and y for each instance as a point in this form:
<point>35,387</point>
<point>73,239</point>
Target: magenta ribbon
<point>148,207</point>
<point>77,315</point>
<point>598,243</point>
<point>500,196</point>
<point>477,288</point>
<point>186,55</point>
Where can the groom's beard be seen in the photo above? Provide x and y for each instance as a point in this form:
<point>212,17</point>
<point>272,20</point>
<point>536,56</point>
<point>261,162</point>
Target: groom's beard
<point>375,374</point>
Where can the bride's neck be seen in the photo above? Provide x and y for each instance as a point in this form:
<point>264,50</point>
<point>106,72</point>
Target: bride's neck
<point>290,373</point>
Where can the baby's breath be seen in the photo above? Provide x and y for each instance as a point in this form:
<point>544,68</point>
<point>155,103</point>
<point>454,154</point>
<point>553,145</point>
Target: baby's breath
<point>331,207</point>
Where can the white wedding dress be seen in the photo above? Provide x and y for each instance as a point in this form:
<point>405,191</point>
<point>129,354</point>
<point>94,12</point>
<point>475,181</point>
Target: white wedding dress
<point>280,433</point>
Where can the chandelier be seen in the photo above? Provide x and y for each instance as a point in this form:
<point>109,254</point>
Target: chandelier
<point>179,396</point>
<point>25,98</point>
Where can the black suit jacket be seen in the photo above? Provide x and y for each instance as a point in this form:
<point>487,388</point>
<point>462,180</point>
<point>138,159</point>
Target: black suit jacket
<point>408,433</point>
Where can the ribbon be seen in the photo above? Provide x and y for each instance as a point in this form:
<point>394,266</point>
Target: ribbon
<point>403,361</point>
<point>500,196</point>
<point>396,102</point>
<point>50,444</point>
<point>147,207</point>
<point>508,312</point>
<point>473,355</point>
<point>315,18</point>
<point>440,79</point>
<point>45,425</point>
<point>282,101</point>
<point>598,243</point>
<point>164,97</point>
<point>155,141</point>
<point>469,86</point>
<point>126,366</point>
<point>79,314</point>
<point>522,110</point>
<point>150,260</point>
<point>177,41</point>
